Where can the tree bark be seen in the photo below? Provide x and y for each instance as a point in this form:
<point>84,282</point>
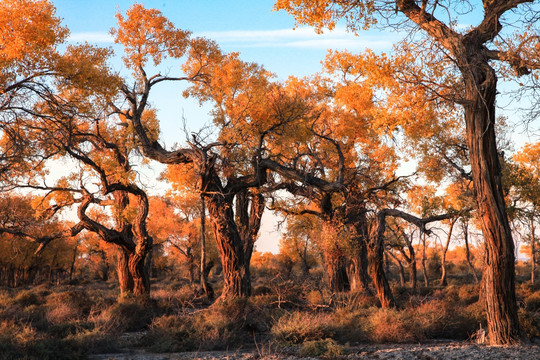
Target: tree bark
<point>336,270</point>
<point>125,281</point>
<point>499,273</point>
<point>472,57</point>
<point>205,285</point>
<point>229,243</point>
<point>375,261</point>
<point>140,272</point>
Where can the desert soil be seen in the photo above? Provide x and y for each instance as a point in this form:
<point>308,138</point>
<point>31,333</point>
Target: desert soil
<point>429,351</point>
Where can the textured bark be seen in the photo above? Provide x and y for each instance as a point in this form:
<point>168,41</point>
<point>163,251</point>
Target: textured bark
<point>499,273</point>
<point>376,264</point>
<point>359,278</point>
<point>204,270</point>
<point>140,259</point>
<point>336,270</point>
<point>249,210</point>
<point>125,281</point>
<point>230,247</point>
<point>140,273</point>
<point>358,273</point>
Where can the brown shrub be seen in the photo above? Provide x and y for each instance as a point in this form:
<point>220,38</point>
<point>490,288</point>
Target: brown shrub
<point>298,327</point>
<point>127,315</point>
<point>327,347</point>
<point>391,325</point>
<point>67,306</point>
<point>532,301</point>
<point>530,323</point>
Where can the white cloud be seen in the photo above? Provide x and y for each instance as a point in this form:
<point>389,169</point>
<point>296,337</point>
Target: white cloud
<point>305,38</point>
<point>299,38</point>
<point>92,37</point>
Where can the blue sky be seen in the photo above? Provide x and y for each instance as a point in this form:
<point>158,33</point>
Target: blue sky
<point>250,27</point>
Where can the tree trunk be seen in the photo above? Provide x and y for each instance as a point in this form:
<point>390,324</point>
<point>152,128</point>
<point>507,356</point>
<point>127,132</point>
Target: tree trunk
<point>72,266</point>
<point>499,273</point>
<point>336,269</point>
<point>249,211</point>
<point>125,281</point>
<point>229,243</point>
<point>445,250</point>
<point>140,272</point>
<point>412,264</point>
<point>205,285</point>
<point>376,262</point>
<point>401,269</point>
<point>359,277</point>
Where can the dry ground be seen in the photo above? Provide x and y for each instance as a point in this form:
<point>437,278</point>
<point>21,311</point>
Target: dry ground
<point>428,351</point>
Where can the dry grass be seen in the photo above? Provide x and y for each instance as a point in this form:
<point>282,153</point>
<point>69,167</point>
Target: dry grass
<point>74,320</point>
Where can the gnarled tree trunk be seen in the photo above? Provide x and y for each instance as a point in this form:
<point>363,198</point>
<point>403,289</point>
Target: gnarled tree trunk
<point>336,270</point>
<point>359,275</point>
<point>229,243</point>
<point>499,274</point>
<point>125,281</point>
<point>204,270</point>
<point>376,262</point>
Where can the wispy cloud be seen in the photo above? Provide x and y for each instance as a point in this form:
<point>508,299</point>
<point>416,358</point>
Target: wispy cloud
<point>282,38</point>
<point>92,37</point>
<point>298,38</point>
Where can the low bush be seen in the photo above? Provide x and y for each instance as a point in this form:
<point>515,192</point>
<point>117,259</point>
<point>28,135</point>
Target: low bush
<point>223,325</point>
<point>326,347</point>
<point>67,306</point>
<point>530,323</point>
<point>532,301</point>
<point>298,327</point>
<point>391,325</point>
<point>124,316</point>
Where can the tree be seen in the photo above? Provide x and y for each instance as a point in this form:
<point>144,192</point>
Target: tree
<point>523,177</point>
<point>226,176</point>
<point>470,53</point>
<point>34,247</point>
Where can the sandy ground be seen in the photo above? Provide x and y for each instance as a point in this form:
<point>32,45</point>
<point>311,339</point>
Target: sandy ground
<point>429,351</point>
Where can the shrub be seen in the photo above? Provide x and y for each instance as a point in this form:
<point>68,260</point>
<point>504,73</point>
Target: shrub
<point>127,315</point>
<point>390,325</point>
<point>171,333</point>
<point>223,325</point>
<point>67,306</point>
<point>469,294</point>
<point>298,327</point>
<point>27,297</point>
<point>532,301</point>
<point>441,319</point>
<point>326,347</point>
<point>529,323</point>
